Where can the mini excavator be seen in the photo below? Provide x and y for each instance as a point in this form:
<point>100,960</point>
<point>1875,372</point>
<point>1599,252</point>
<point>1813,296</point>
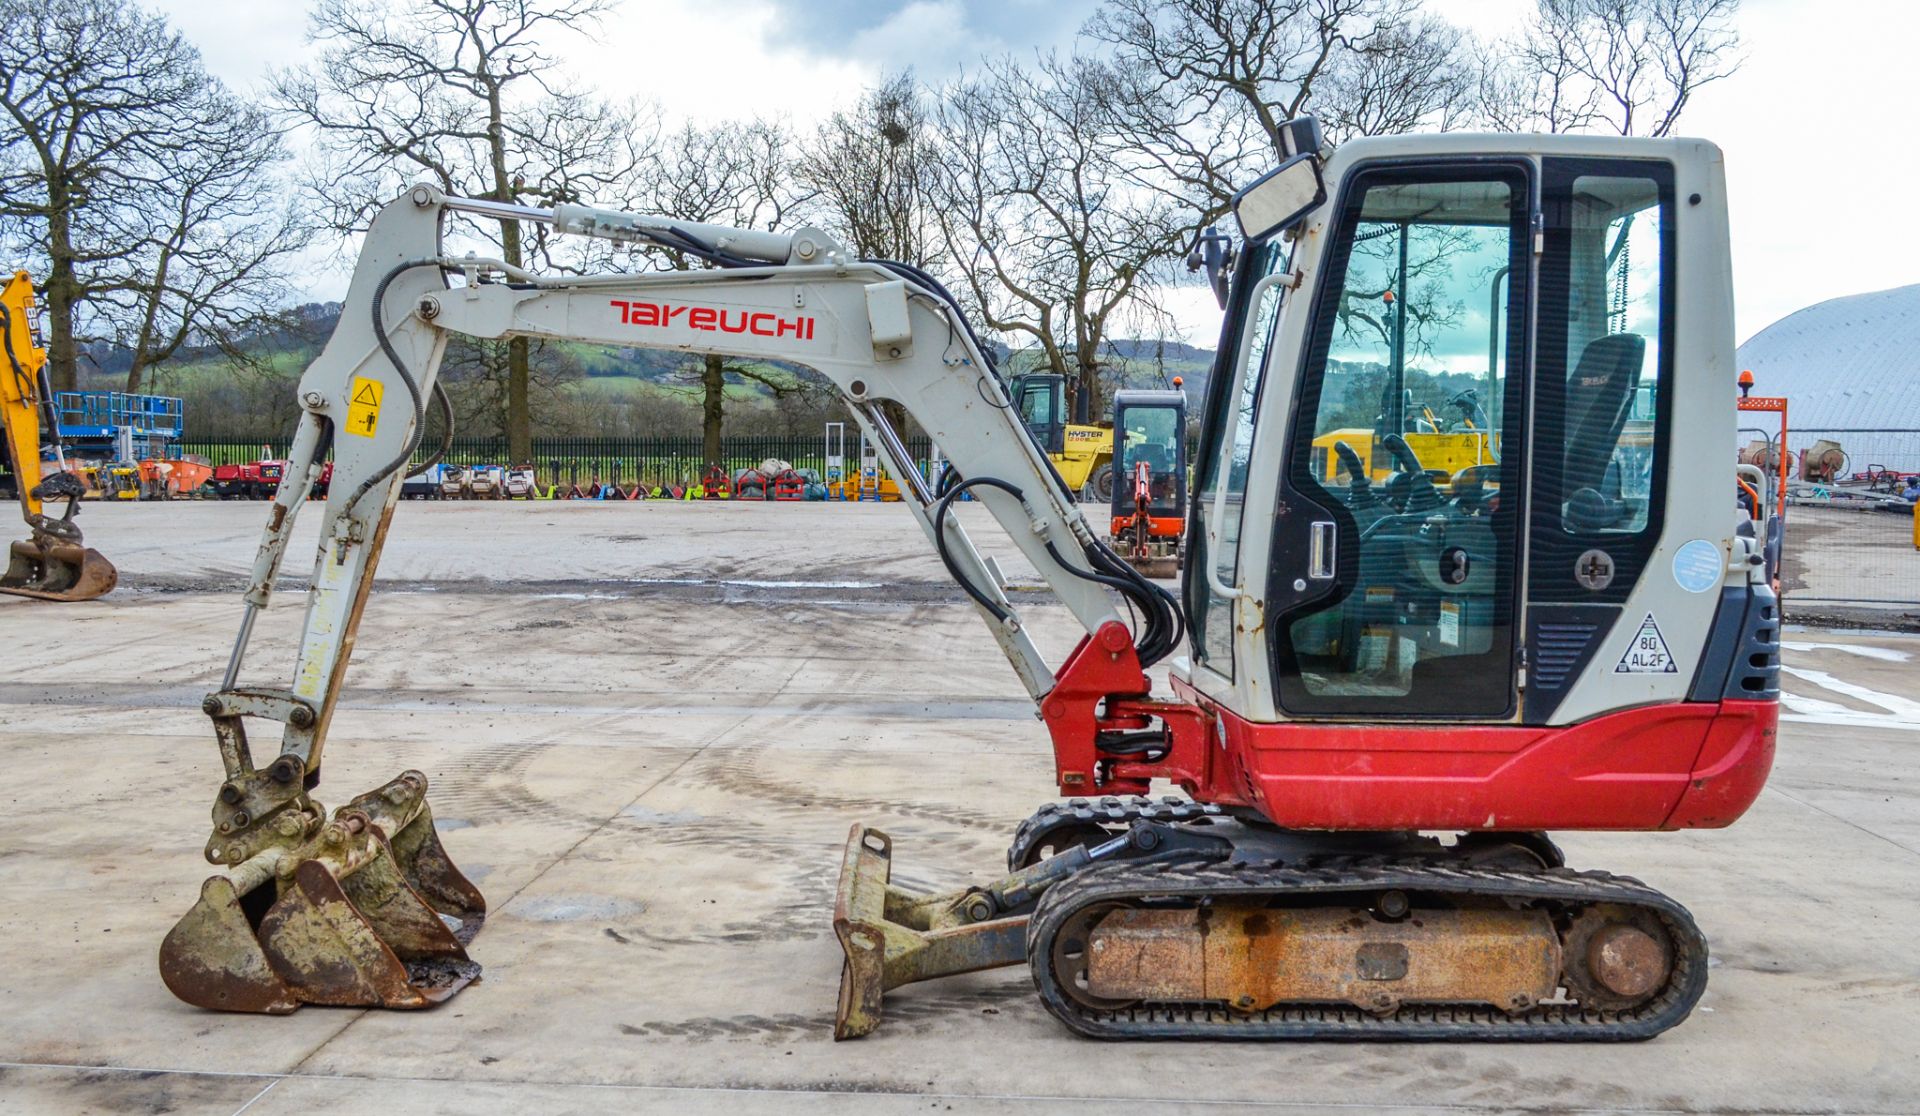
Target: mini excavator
<point>1391,693</point>
<point>1150,498</point>
<point>53,563</point>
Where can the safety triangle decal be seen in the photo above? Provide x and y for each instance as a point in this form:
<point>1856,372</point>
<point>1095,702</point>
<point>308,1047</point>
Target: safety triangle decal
<point>1648,653</point>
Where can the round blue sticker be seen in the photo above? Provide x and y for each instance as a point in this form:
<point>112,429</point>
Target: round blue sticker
<point>1698,566</point>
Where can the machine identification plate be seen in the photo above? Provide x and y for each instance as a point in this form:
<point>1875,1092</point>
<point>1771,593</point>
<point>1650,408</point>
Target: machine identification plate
<point>1648,653</point>
<point>363,407</point>
<point>1698,566</point>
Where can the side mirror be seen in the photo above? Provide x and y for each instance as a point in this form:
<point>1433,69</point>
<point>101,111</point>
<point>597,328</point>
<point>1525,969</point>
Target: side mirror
<point>1280,198</point>
<point>1213,251</point>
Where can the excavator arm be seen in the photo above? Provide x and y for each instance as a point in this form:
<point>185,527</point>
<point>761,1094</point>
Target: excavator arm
<point>54,562</point>
<point>343,910</point>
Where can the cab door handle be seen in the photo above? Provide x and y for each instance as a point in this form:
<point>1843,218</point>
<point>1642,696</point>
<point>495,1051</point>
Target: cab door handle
<point>1321,543</point>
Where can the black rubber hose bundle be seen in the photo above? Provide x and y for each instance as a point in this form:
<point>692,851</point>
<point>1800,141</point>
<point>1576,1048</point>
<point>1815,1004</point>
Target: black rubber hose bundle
<point>406,377</point>
<point>1162,624</point>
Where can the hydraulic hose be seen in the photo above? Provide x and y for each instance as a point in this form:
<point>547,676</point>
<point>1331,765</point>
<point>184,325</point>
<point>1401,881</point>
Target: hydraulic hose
<point>406,377</point>
<point>1162,624</point>
<point>445,407</point>
<point>940,540</point>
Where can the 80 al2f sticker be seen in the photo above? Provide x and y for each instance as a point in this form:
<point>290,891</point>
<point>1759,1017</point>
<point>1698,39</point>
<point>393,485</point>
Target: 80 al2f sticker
<point>1648,653</point>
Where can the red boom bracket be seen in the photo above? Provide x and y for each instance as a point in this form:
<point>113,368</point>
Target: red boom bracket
<point>1101,688</point>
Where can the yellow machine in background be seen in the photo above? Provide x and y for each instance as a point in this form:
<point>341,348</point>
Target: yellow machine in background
<point>53,563</point>
<point>1446,453</point>
<point>1082,452</point>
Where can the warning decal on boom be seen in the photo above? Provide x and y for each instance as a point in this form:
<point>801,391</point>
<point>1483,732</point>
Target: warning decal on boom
<point>1648,653</point>
<point>363,407</point>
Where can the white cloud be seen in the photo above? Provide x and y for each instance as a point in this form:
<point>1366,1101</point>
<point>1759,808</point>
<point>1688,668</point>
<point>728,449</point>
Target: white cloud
<point>1814,125</point>
<point>931,37</point>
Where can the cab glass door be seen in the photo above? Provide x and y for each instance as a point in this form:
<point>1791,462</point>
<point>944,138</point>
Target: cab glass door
<point>1395,577</point>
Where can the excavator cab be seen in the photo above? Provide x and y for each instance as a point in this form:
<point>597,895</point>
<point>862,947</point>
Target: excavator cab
<point>1042,401</point>
<point>1429,595</point>
<point>1149,504</point>
<point>53,563</point>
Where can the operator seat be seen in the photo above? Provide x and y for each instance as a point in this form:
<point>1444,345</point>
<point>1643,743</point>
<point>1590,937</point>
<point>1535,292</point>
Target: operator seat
<point>1599,397</point>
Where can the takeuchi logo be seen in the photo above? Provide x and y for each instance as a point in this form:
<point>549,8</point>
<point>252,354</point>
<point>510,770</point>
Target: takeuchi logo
<point>759,323</point>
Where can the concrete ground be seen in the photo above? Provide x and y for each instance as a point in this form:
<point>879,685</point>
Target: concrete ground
<point>648,728</point>
<point>1851,565</point>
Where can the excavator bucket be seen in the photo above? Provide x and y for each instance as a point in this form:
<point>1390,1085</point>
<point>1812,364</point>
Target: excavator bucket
<point>50,570</point>
<point>368,911</point>
<point>1156,565</point>
<point>55,564</point>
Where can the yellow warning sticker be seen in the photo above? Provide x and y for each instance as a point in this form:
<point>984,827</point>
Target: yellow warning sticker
<point>363,407</point>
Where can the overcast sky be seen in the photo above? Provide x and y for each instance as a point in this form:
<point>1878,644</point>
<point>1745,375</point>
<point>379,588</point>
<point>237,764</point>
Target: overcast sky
<point>1817,125</point>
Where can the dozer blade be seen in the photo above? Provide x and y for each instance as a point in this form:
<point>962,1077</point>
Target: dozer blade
<point>893,937</point>
<point>57,571</point>
<point>347,918</point>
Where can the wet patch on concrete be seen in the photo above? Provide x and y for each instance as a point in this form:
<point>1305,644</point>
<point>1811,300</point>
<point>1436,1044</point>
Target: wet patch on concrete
<point>571,908</point>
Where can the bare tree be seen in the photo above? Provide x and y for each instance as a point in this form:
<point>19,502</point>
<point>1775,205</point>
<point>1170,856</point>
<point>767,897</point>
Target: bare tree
<point>1204,87</point>
<point>216,237</point>
<point>740,174</point>
<point>867,169</point>
<point>477,373</point>
<point>459,92</point>
<point>141,182</point>
<point>1625,66</point>
<point>1054,240</point>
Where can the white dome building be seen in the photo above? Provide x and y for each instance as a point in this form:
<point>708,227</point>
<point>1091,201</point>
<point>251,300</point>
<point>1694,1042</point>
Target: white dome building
<point>1850,369</point>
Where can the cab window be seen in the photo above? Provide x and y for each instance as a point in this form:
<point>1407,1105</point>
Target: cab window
<point>1405,453</point>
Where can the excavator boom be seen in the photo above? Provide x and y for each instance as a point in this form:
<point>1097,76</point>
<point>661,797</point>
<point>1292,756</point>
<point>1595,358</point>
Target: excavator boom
<point>881,332</point>
<point>53,563</point>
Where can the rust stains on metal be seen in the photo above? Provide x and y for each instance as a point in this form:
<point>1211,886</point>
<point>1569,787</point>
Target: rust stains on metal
<point>892,937</point>
<point>1627,961</point>
<point>51,569</point>
<point>1252,958</point>
<point>325,913</point>
<point>1617,956</point>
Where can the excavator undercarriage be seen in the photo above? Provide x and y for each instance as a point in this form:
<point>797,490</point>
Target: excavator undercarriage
<point>1167,919</point>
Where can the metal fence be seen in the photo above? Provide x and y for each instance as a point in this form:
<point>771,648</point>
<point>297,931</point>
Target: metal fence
<point>654,460</point>
<point>1850,527</point>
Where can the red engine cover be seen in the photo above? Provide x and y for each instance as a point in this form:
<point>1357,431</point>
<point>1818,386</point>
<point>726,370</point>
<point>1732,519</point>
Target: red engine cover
<point>1675,766</point>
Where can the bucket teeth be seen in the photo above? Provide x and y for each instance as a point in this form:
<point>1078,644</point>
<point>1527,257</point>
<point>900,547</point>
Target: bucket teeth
<point>348,918</point>
<point>57,571</point>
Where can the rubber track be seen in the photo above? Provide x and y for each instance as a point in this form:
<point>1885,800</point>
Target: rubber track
<point>1223,880</point>
<point>1115,812</point>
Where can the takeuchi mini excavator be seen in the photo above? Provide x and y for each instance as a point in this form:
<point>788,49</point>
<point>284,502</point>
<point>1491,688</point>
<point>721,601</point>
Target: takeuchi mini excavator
<point>1390,694</point>
<point>53,563</point>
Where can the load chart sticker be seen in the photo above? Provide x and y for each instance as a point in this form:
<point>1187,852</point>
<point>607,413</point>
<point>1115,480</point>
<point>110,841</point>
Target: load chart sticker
<point>1648,653</point>
<point>363,407</point>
